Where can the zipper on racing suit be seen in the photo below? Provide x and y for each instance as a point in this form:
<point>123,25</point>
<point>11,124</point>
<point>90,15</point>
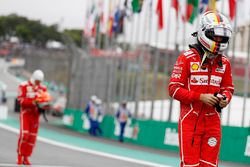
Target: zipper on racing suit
<point>207,91</point>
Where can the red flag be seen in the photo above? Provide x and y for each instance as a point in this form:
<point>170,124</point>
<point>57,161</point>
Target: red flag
<point>175,5</point>
<point>93,30</point>
<point>232,9</point>
<point>110,23</point>
<point>159,11</point>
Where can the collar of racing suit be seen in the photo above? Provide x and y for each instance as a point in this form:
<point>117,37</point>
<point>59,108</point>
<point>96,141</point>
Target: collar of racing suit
<point>33,85</point>
<point>200,50</point>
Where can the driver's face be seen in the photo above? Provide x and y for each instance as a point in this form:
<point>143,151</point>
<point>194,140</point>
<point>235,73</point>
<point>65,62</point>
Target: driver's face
<point>37,82</point>
<point>218,38</point>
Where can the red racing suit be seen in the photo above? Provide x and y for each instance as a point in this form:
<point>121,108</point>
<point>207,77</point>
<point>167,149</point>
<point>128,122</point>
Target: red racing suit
<point>199,124</point>
<point>29,116</point>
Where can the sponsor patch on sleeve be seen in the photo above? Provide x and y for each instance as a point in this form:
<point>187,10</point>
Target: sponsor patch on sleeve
<point>177,71</point>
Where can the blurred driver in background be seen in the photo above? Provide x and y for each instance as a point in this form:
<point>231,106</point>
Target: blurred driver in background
<point>28,95</point>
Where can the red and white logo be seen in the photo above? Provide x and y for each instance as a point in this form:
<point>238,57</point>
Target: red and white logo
<point>221,69</point>
<point>199,80</point>
<point>215,80</point>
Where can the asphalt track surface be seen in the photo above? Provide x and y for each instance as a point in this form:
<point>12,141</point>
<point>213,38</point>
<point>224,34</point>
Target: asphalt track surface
<point>59,146</point>
<point>51,155</point>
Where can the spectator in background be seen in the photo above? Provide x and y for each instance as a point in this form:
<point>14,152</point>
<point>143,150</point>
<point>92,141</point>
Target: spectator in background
<point>100,114</point>
<point>3,94</point>
<point>93,112</point>
<point>122,116</point>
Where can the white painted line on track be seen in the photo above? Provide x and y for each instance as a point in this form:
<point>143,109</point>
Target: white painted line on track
<point>10,165</point>
<point>3,86</point>
<point>13,78</point>
<point>108,155</point>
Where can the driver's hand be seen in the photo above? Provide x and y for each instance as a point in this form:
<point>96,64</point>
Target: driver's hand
<point>223,103</point>
<point>209,99</point>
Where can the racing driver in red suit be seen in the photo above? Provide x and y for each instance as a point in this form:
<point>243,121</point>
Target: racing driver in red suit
<point>29,115</point>
<point>202,81</point>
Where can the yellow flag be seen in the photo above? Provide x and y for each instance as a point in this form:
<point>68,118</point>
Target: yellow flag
<point>212,5</point>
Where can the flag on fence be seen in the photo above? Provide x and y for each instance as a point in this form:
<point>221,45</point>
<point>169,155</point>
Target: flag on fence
<point>110,24</point>
<point>110,19</point>
<point>175,5</point>
<point>192,10</point>
<point>203,6</point>
<point>232,9</point>
<point>137,6</point>
<point>102,23</point>
<point>159,11</point>
<point>116,20</point>
<point>212,5</point>
<point>90,27</point>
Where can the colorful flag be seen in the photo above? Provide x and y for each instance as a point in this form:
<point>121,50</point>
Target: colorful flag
<point>94,29</point>
<point>212,5</point>
<point>203,6</point>
<point>121,21</point>
<point>125,4</point>
<point>100,15</point>
<point>110,23</point>
<point>118,21</point>
<point>127,9</point>
<point>175,5</point>
<point>102,23</point>
<point>90,28</point>
<point>137,5</point>
<point>192,10</point>
<point>159,11</point>
<point>110,19</point>
<point>232,9</point>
